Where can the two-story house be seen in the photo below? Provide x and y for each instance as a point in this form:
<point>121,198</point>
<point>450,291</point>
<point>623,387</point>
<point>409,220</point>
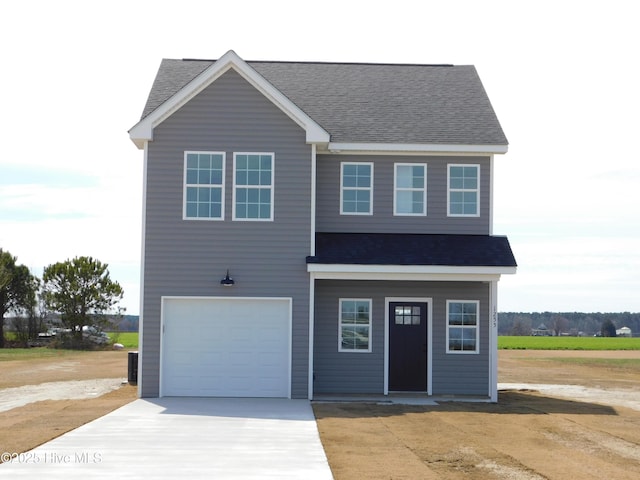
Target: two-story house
<point>318,228</point>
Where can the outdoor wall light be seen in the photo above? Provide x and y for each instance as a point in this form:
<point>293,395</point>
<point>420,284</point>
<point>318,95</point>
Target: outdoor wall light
<point>227,281</point>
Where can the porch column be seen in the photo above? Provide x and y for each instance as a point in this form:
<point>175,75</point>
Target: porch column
<point>493,340</point>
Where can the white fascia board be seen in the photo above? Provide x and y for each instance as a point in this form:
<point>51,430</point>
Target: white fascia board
<point>407,272</point>
<point>413,148</point>
<point>140,134</point>
<point>143,130</point>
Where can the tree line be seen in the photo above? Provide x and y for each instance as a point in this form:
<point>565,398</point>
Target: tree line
<point>78,291</point>
<point>568,323</point>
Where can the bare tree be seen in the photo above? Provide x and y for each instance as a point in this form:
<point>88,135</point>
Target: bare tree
<point>559,324</point>
<point>521,327</point>
<point>32,320</point>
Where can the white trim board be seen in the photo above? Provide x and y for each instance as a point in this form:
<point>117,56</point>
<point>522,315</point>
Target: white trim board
<point>415,148</point>
<point>435,273</point>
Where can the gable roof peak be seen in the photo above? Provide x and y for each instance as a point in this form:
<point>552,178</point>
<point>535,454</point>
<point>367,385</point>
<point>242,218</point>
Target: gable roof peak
<point>143,130</point>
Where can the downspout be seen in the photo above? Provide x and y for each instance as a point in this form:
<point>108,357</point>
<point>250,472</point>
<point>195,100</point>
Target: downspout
<point>313,200</point>
<point>491,183</point>
<point>141,378</point>
<point>312,280</point>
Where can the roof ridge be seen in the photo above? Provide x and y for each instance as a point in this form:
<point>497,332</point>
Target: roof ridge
<point>314,62</point>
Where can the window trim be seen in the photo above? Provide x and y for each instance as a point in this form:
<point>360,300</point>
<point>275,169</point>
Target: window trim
<point>397,189</point>
<point>450,190</point>
<point>185,185</point>
<point>476,326</point>
<point>370,325</point>
<point>260,187</point>
<point>342,188</point>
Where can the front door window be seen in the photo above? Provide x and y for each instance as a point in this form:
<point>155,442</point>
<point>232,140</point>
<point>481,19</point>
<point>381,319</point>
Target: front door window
<point>407,314</point>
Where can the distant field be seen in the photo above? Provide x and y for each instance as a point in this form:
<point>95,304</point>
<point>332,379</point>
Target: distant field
<point>127,339</point>
<point>7,354</point>
<point>568,343</point>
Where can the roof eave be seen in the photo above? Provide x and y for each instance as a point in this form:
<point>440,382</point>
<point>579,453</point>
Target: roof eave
<point>414,148</point>
<point>142,132</point>
<point>409,272</point>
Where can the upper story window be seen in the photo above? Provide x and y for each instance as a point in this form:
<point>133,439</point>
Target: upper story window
<point>354,329</point>
<point>253,186</point>
<point>356,188</point>
<point>410,189</point>
<point>204,185</point>
<point>463,332</point>
<point>464,191</point>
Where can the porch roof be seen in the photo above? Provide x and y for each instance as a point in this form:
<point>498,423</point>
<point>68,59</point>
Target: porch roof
<point>442,250</point>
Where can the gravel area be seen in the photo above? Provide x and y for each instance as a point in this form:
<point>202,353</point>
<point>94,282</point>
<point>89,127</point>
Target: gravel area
<point>69,390</point>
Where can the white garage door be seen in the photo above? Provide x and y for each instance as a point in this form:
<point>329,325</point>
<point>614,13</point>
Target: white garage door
<point>222,347</point>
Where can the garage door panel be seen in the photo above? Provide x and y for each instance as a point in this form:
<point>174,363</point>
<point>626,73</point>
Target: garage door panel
<point>226,347</point>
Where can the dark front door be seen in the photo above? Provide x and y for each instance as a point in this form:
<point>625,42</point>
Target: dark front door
<point>408,346</point>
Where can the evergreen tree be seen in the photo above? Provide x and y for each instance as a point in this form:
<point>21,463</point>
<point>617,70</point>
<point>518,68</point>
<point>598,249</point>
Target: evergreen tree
<point>17,289</point>
<point>608,329</point>
<point>81,291</point>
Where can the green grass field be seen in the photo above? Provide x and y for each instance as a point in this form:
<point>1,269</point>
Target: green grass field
<point>10,336</point>
<point>568,343</point>
<point>128,339</point>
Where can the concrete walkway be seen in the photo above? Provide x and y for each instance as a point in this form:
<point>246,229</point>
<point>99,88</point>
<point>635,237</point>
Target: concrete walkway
<point>187,438</point>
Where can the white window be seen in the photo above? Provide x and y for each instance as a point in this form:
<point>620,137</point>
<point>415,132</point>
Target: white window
<point>356,188</point>
<point>204,185</point>
<point>410,189</point>
<point>463,326</point>
<point>464,191</point>
<point>253,186</point>
<point>354,325</point>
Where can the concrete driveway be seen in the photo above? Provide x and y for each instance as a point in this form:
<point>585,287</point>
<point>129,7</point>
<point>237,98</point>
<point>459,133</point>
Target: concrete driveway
<point>185,438</point>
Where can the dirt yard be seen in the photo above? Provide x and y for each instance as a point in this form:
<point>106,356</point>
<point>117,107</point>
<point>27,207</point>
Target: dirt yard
<point>527,435</point>
<point>25,427</point>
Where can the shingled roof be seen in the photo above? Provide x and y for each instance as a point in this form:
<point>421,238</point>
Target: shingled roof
<point>368,103</point>
<point>412,249</point>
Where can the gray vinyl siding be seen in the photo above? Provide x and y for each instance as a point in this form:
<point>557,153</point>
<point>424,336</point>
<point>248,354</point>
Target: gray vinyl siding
<point>458,373</point>
<point>188,257</point>
<point>328,218</point>
<point>346,372</point>
<point>350,373</point>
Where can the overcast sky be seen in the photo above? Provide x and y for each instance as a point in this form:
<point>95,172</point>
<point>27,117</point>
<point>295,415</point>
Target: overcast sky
<point>563,77</point>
